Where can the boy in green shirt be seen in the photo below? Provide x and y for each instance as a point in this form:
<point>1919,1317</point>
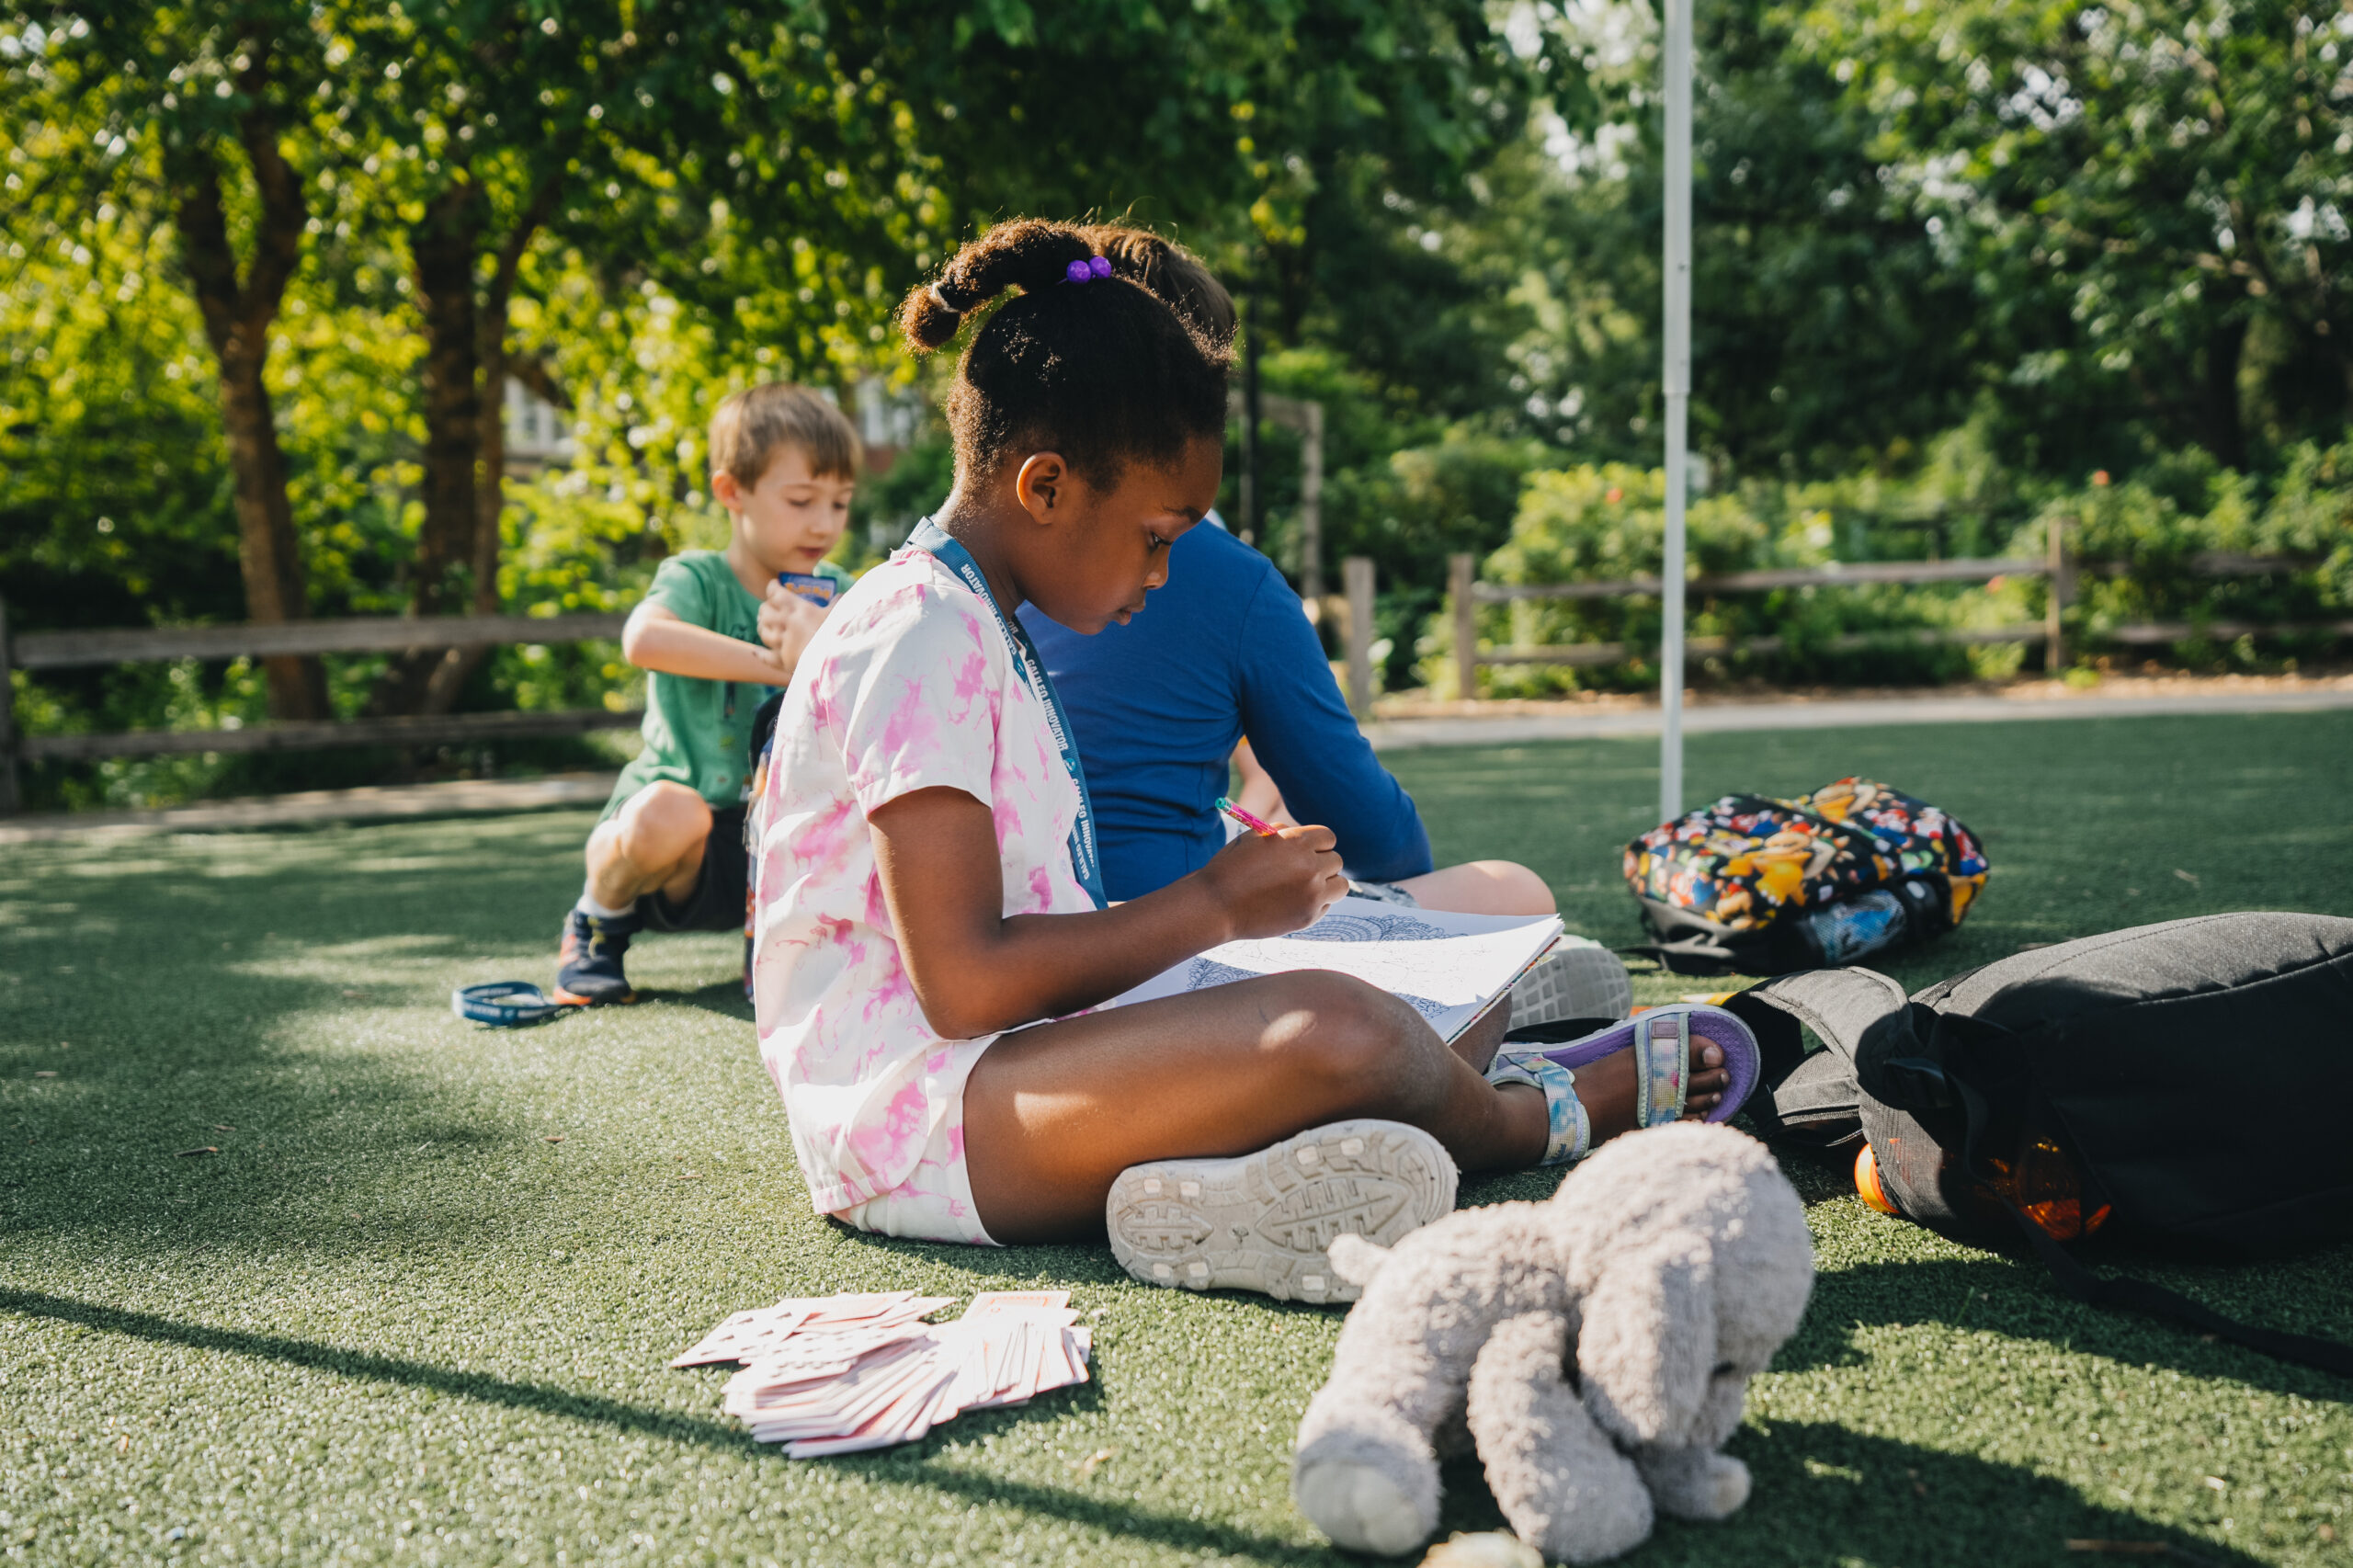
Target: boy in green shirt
<point>717,629</point>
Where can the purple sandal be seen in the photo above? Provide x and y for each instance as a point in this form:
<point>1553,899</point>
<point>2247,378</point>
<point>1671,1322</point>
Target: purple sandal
<point>1662,1040</point>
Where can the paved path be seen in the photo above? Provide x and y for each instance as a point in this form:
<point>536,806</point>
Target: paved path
<point>1394,735</point>
<point>1835,713</point>
<point>466,797</point>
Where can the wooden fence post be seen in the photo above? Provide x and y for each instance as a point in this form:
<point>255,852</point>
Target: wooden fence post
<point>1355,574</point>
<point>1311,500</point>
<point>10,801</point>
<point>2054,598</point>
<point>1461,572</point>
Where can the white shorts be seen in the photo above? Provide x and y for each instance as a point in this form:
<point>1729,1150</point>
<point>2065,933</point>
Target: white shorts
<point>935,1203</point>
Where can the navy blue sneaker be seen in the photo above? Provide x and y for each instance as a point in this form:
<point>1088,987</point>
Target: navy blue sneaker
<point>588,966</point>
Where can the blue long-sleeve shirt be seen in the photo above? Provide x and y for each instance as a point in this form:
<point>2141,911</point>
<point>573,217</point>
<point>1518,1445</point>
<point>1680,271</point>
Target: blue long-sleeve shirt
<point>1222,650</point>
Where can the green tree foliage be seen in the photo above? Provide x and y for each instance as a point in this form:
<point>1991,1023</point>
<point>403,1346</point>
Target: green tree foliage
<point>2148,200</point>
<point>353,223</point>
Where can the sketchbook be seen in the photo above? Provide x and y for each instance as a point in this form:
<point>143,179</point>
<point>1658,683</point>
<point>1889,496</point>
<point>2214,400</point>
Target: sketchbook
<point>1450,966</point>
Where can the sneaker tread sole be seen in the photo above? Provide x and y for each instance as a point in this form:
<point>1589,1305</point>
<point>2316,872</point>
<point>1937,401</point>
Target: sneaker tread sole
<point>1573,983</point>
<point>1262,1222</point>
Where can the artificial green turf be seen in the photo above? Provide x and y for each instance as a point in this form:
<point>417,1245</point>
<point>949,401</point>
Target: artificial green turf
<point>390,1321</point>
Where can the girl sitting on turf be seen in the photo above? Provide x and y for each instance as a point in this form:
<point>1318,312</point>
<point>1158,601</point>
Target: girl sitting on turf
<point>930,929</point>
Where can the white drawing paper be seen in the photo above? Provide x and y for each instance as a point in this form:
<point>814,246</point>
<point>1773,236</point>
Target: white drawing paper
<point>1450,967</point>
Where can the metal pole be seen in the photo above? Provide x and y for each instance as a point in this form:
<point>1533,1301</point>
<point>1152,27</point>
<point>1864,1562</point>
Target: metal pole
<point>1355,574</point>
<point>1677,382</point>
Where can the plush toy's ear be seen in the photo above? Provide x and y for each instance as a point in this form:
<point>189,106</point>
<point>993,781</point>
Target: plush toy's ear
<point>1648,1343</point>
<point>1354,1259</point>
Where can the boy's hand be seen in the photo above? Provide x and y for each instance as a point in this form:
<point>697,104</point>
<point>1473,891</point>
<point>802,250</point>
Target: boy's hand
<point>1269,886</point>
<point>786,623</point>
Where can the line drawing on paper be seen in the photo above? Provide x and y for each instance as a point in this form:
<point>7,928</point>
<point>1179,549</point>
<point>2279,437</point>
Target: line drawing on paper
<point>1201,974</point>
<point>1382,927</point>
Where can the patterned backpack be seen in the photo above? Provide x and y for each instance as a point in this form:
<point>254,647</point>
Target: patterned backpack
<point>1754,885</point>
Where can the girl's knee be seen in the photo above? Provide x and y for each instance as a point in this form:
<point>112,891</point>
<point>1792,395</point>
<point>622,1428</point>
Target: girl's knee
<point>1356,1040</point>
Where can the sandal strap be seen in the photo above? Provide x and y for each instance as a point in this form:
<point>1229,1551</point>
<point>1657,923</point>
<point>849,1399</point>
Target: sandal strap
<point>1662,1066</point>
<point>1571,1137</point>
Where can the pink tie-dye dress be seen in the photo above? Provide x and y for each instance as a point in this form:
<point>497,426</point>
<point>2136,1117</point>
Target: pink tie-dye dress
<point>910,686</point>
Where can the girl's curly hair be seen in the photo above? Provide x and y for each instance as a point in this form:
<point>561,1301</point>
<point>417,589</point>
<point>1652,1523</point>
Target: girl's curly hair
<point>1105,372</point>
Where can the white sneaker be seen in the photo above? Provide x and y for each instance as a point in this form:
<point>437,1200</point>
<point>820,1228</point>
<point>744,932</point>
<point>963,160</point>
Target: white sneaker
<point>1262,1222</point>
<point>1578,979</point>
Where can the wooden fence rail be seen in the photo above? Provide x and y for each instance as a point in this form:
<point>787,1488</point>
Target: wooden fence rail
<point>358,634</point>
<point>375,634</point>
<point>1467,593</point>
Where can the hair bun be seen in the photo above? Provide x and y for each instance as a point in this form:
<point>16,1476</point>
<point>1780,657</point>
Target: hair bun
<point>928,319</point>
<point>1024,253</point>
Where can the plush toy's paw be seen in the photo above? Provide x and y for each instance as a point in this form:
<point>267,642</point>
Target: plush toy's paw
<point>1364,1476</point>
<point>1488,1549</point>
<point>1694,1484</point>
<point>1354,1259</point>
<point>1362,1509</point>
<point>1726,1488</point>
<point>1561,1484</point>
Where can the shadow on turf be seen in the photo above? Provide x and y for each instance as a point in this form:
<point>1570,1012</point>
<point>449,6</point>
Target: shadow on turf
<point>1823,1493</point>
<point>906,1466</point>
<point>1820,1489</point>
<point>2016,1299</point>
<point>725,998</point>
<point>188,974</point>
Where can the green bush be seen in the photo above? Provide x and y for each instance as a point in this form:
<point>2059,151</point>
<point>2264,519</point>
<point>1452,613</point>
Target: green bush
<point>2136,545</point>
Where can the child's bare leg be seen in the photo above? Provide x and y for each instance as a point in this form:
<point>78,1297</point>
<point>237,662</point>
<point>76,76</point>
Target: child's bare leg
<point>1478,1044</point>
<point>1054,1113</point>
<point>1606,1086</point>
<point>654,844</point>
<point>1482,887</point>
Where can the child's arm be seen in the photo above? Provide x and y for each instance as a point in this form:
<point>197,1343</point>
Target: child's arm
<point>976,972</point>
<point>655,639</point>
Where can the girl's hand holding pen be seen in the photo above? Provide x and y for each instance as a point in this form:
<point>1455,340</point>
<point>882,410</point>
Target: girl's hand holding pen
<point>1270,883</point>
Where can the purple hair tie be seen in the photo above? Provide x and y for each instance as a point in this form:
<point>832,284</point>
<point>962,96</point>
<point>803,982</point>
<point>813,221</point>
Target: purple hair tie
<point>1089,270</point>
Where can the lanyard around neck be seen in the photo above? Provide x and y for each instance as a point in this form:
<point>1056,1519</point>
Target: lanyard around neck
<point>936,542</point>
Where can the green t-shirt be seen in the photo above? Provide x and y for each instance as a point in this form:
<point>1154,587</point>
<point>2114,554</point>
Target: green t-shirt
<point>698,732</point>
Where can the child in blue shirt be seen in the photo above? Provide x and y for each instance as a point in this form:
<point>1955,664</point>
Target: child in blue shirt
<point>1227,652</point>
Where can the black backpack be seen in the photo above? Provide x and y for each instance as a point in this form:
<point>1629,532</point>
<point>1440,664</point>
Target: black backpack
<point>2181,1068</point>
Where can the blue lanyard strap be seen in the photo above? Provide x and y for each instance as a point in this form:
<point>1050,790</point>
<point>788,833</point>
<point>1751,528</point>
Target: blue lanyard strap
<point>935,542</point>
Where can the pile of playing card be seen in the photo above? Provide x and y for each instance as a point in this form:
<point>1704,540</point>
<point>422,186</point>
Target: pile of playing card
<point>837,1374</point>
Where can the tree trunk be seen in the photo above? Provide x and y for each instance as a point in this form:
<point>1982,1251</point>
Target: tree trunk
<point>487,463</point>
<point>457,665</point>
<point>2222,425</point>
<point>443,246</point>
<point>237,314</point>
<point>267,557</point>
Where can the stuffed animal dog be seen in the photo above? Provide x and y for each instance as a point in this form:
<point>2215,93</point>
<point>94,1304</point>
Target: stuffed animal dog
<point>1670,1265</point>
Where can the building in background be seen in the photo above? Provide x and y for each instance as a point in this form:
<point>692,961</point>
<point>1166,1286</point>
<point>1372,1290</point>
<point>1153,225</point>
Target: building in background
<point>887,421</point>
<point>538,434</point>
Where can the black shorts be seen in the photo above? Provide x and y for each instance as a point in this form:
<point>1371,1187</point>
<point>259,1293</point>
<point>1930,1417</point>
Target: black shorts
<point>716,901</point>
